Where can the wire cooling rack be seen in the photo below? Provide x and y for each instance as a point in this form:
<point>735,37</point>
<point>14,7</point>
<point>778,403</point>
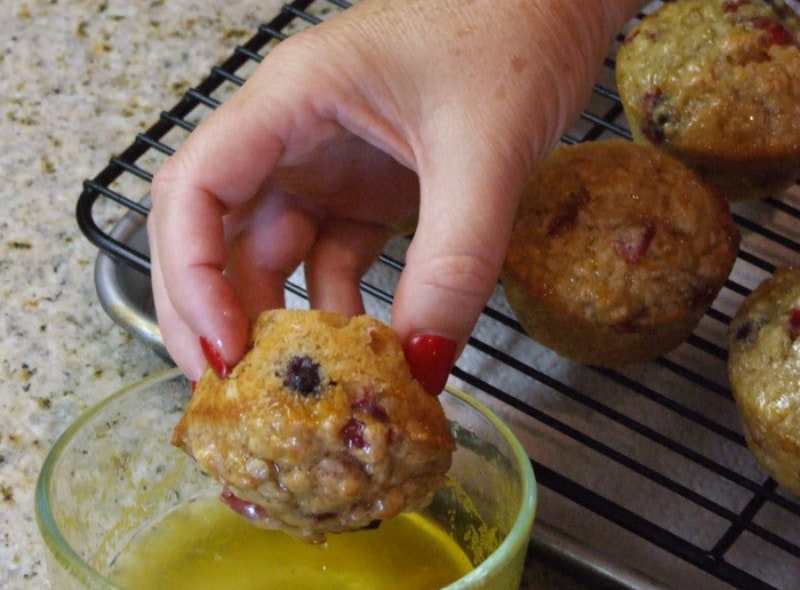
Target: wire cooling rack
<point>644,477</point>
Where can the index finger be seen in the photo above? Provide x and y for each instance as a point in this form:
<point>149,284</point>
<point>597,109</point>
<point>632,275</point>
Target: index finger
<point>223,163</point>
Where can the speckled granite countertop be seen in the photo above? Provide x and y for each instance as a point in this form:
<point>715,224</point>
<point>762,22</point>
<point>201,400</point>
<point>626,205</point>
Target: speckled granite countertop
<point>78,78</point>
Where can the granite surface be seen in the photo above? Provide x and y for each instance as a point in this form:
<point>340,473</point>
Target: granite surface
<point>78,78</point>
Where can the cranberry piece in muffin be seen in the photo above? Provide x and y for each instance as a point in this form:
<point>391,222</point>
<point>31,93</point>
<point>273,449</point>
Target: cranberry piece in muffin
<point>656,116</point>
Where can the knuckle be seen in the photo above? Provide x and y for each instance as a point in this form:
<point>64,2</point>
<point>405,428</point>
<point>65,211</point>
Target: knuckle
<point>465,277</point>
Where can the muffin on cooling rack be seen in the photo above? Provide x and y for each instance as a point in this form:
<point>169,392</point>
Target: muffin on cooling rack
<point>716,83</point>
<point>320,428</point>
<point>616,253</point>
<point>764,373</point>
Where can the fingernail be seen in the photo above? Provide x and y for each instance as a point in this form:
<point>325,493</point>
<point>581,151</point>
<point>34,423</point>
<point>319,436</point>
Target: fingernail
<point>193,385</point>
<point>214,358</point>
<point>430,358</point>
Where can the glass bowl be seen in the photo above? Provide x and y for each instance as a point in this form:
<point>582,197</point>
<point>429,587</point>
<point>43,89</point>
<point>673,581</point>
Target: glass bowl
<point>113,473</point>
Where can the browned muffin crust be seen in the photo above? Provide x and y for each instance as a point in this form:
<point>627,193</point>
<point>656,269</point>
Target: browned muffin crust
<point>616,253</point>
<point>764,374</point>
<point>320,428</point>
<point>716,84</point>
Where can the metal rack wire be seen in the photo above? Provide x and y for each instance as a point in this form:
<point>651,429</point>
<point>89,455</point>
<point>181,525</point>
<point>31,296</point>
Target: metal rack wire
<point>644,474</point>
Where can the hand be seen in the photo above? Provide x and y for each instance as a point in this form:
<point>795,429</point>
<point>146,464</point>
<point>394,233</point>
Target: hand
<point>432,107</point>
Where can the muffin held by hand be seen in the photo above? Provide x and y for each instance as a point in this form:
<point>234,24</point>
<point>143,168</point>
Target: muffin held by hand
<point>320,428</point>
<point>764,373</point>
<point>616,253</point>
<point>716,84</point>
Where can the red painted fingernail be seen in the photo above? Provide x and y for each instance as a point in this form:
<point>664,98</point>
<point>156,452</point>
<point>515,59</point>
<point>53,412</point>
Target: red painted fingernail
<point>214,357</point>
<point>430,359</point>
<point>193,385</point>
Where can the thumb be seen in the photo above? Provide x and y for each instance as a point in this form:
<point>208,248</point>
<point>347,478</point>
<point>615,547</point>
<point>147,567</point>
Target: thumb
<point>453,262</point>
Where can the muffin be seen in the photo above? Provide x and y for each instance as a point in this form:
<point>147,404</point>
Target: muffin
<point>716,84</point>
<point>764,374</point>
<point>616,253</point>
<point>320,428</point>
